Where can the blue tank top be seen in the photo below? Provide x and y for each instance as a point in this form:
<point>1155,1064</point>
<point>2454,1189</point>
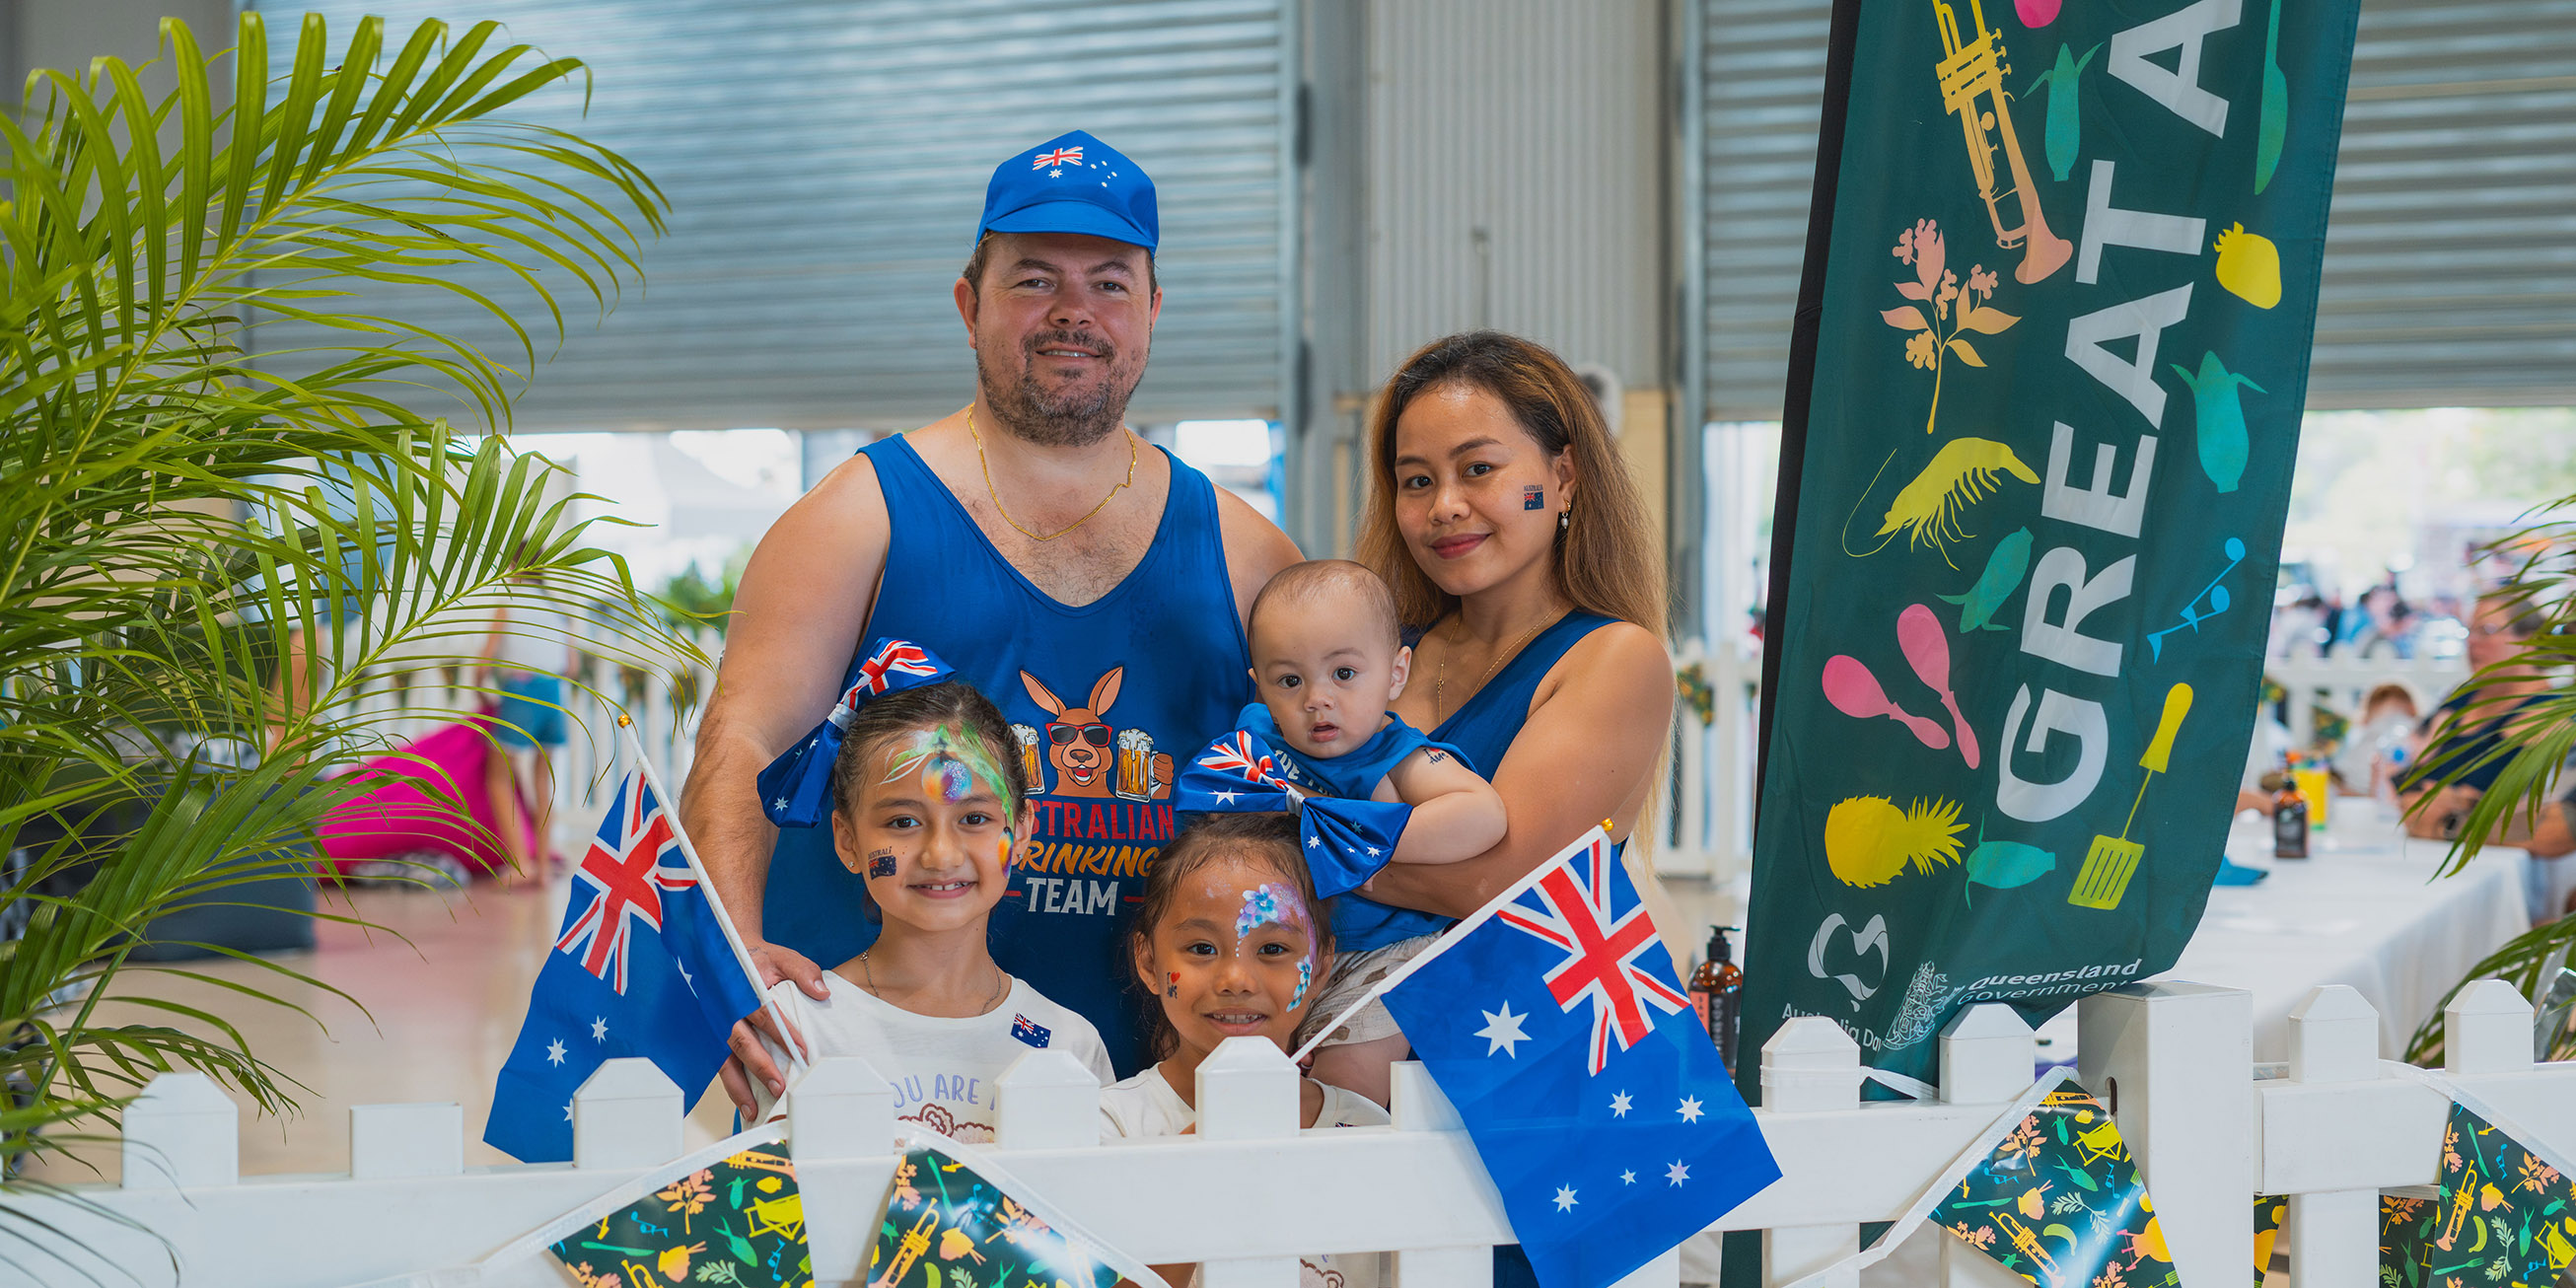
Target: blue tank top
<point>1102,698</point>
<point>1481,729</point>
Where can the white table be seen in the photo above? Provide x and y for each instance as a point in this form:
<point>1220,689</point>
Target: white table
<point>2364,910</point>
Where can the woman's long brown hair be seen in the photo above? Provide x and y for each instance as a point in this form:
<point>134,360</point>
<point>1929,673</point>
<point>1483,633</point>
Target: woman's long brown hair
<point>1607,560</point>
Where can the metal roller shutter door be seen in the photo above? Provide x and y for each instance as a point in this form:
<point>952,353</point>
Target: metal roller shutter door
<point>825,161</point>
<point>2450,268</point>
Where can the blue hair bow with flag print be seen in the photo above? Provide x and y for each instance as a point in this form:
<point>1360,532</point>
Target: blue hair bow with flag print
<point>796,789</point>
<point>1346,841</point>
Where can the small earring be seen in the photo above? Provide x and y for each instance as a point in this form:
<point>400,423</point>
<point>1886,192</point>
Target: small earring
<point>1565,517</point>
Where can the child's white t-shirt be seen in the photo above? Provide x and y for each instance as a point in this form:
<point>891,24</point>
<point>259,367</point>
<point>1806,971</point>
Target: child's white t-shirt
<point>1146,1105</point>
<point>943,1069</point>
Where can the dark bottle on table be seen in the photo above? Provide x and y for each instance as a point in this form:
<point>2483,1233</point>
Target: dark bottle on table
<point>2290,817</point>
<point>1717,993</point>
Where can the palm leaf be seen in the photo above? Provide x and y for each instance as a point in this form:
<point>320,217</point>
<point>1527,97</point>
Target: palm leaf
<point>187,508</point>
<point>2536,740</point>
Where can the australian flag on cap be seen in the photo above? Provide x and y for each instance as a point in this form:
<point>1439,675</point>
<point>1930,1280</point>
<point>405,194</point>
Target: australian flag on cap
<point>1072,183</point>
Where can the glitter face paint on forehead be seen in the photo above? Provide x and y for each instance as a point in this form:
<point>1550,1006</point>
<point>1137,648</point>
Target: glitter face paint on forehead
<point>1273,903</point>
<point>949,761</point>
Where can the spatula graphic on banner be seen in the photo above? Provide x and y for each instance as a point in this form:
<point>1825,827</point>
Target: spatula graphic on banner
<point>2104,878</point>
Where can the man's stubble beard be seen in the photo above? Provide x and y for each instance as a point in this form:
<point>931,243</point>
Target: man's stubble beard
<point>1079,419</point>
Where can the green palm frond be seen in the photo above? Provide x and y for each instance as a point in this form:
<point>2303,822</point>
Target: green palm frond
<point>2537,740</point>
<point>209,541</point>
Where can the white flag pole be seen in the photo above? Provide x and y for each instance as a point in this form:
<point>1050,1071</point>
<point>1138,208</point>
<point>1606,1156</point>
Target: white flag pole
<point>706,884</point>
<point>1597,836</point>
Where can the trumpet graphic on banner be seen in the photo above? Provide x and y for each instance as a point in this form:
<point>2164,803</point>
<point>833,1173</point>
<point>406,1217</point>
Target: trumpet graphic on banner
<point>1972,88</point>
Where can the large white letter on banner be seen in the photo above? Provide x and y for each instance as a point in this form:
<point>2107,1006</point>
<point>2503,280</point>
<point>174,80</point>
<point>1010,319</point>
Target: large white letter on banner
<point>2039,802</point>
<point>2146,319</point>
<point>2178,90</point>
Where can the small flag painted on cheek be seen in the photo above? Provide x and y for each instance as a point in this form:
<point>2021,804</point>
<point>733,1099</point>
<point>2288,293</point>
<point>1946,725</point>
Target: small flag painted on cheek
<point>1533,498</point>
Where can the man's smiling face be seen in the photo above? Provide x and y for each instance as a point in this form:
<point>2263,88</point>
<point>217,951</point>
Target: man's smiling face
<point>1061,324</point>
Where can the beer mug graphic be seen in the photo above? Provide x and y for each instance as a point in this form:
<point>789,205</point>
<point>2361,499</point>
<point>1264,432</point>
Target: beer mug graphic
<point>1032,759</point>
<point>1135,765</point>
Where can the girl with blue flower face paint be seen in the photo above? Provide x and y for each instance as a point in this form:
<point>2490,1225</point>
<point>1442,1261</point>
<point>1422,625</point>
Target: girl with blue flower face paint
<point>1231,942</point>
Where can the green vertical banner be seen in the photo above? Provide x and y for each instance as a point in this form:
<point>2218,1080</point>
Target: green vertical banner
<point>2053,343</point>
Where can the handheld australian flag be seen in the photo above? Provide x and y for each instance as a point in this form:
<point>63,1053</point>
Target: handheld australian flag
<point>641,967</point>
<point>1553,1020</point>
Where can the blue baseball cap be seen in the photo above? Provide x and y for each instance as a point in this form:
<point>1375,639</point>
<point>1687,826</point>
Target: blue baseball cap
<point>1072,183</point>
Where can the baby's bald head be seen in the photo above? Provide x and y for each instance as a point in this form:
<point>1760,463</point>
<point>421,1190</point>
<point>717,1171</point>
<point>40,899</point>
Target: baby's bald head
<point>1335,589</point>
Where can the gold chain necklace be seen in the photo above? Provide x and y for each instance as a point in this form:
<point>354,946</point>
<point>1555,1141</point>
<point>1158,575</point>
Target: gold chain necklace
<point>1000,983</point>
<point>997,497</point>
<point>1440,681</point>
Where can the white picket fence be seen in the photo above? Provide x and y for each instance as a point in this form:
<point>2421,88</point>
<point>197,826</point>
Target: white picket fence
<point>1249,1192</point>
<point>2339,683</point>
<point>1707,828</point>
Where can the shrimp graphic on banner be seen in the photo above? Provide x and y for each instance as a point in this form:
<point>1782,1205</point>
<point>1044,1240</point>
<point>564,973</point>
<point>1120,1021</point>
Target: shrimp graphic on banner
<point>645,964</point>
<point>1617,1134</point>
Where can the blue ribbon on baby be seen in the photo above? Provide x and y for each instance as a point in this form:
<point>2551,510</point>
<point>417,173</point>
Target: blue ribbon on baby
<point>1346,841</point>
<point>796,789</point>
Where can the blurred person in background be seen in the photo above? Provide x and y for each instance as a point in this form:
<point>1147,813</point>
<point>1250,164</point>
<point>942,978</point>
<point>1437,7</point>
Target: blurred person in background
<point>525,658</point>
<point>2458,740</point>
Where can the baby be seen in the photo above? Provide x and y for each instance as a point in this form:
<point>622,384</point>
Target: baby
<point>1327,658</point>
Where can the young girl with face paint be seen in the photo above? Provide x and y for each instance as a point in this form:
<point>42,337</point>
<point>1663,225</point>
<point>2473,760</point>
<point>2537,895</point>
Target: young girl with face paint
<point>1231,942</point>
<point>930,803</point>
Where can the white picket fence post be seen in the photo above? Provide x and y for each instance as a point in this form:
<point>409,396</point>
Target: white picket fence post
<point>1809,1066</point>
<point>2172,1060</point>
<point>2333,1234</point>
<point>840,1110</point>
<point>1987,1055</point>
<point>1418,1105</point>
<point>1248,1092</point>
<point>182,1133</point>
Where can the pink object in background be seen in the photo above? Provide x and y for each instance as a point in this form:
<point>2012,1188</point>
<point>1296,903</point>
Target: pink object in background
<point>402,817</point>
<point>1918,633</point>
<point>2036,13</point>
<point>1855,692</point>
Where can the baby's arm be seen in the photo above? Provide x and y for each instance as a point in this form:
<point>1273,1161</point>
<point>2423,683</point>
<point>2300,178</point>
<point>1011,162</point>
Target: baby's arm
<point>1456,813</point>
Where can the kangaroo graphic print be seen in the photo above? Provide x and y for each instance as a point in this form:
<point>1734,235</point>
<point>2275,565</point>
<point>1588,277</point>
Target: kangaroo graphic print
<point>1100,699</point>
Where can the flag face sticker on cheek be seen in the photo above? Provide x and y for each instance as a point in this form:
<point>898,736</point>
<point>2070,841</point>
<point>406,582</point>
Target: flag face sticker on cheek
<point>2059,1201</point>
<point>738,1224</point>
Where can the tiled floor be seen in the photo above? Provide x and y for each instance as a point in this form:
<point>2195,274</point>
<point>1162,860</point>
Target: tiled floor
<point>443,985</point>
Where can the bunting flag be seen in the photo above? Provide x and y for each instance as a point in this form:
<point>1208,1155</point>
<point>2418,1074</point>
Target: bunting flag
<point>2058,1201</point>
<point>2270,1210</point>
<point>2505,1217</point>
<point>954,1219</point>
<point>2044,401</point>
<point>738,1223</point>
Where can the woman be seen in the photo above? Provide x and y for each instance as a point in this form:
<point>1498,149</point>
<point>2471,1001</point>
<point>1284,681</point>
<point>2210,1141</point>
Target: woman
<point>1524,565</point>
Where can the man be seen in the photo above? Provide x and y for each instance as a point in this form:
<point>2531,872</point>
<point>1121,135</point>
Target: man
<point>1092,587</point>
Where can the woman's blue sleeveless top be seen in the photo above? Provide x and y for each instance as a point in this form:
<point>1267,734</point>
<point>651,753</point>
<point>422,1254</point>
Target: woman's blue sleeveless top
<point>1105,698</point>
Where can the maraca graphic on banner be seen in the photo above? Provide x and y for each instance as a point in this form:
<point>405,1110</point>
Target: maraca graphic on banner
<point>1855,692</point>
<point>1918,633</point>
<point>2215,592</point>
